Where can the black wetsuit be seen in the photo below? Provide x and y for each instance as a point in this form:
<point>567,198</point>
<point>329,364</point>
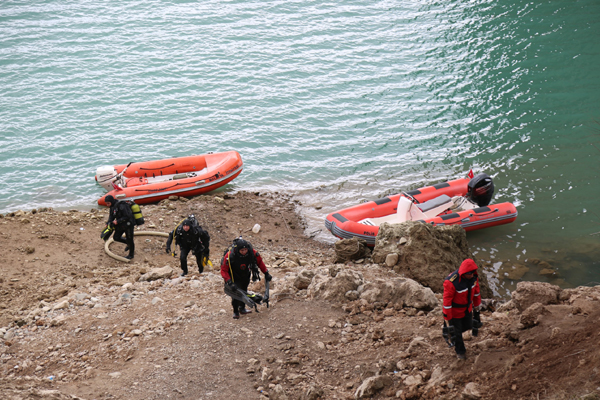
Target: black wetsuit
<point>196,240</point>
<point>121,211</point>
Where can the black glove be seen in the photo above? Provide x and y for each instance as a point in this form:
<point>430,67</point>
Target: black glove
<point>231,284</point>
<point>268,276</point>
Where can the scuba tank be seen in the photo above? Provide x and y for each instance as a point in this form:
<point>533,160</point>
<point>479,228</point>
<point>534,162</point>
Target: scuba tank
<point>137,212</point>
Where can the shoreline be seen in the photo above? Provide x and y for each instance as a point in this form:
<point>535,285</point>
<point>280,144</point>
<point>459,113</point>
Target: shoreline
<point>512,272</point>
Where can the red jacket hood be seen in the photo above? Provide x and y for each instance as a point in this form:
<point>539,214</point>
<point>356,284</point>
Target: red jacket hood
<point>467,266</point>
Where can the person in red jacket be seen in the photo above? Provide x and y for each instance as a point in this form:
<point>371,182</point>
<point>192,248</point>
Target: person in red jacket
<point>461,294</point>
<point>239,264</point>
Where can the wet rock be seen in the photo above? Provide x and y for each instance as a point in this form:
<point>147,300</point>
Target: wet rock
<point>513,272</point>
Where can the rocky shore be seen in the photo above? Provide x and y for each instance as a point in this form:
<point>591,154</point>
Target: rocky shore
<point>343,322</point>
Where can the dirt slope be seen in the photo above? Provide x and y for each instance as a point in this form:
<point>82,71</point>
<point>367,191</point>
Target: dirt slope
<point>78,323</point>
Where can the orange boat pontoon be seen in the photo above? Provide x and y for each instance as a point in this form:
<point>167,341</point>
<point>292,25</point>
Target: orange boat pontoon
<point>152,181</point>
<point>463,202</point>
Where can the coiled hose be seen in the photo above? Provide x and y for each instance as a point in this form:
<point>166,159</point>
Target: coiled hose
<point>138,233</point>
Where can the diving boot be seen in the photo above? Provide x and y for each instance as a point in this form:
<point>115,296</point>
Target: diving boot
<point>236,315</point>
<point>244,311</point>
<point>129,257</point>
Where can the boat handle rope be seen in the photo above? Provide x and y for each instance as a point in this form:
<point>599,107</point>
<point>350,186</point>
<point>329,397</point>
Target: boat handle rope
<point>150,169</point>
<point>161,189</point>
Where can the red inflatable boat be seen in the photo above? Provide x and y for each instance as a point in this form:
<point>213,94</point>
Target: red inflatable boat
<point>463,202</point>
<point>152,181</point>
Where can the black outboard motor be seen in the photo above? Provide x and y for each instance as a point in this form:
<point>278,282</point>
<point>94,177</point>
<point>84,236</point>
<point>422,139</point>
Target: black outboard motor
<point>481,190</point>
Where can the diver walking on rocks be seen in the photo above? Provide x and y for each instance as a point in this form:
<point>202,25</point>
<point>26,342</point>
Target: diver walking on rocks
<point>120,217</point>
<point>240,263</point>
<point>190,236</point>
<point>461,299</point>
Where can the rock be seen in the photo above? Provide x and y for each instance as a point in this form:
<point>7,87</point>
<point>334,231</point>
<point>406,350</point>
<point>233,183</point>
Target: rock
<point>278,393</point>
<point>413,380</point>
<point>471,391</point>
<point>157,273</point>
<point>427,253</point>
<point>334,289</point>
<point>415,343</point>
<point>437,376</point>
<point>351,249</point>
<point>304,279</point>
<point>157,300</point>
<point>58,320</point>
<point>370,386</point>
<point>61,306</point>
<point>513,272</point>
<point>115,375</point>
<point>391,260</point>
<point>399,291</point>
<point>313,392</point>
<point>352,295</point>
<point>532,314</point>
<point>548,273</point>
<point>528,293</point>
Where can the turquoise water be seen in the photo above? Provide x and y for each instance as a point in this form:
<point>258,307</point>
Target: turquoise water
<point>335,103</point>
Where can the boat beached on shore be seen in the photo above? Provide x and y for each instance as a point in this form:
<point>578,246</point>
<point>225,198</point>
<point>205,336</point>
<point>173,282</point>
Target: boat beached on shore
<point>152,181</point>
<point>464,202</point>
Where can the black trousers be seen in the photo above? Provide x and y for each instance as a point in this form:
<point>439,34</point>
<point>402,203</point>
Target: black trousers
<point>184,255</point>
<point>236,304</point>
<point>461,325</point>
<point>128,231</point>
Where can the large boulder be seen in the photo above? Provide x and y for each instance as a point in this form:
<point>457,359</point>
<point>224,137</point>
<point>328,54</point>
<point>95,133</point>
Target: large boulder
<point>426,253</point>
<point>399,291</point>
<point>334,288</point>
<point>528,293</point>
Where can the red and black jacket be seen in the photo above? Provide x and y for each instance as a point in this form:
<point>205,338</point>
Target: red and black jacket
<point>238,268</point>
<point>460,293</point>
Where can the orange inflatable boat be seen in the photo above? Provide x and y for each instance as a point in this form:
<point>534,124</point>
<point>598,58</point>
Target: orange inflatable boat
<point>463,202</point>
<point>152,181</point>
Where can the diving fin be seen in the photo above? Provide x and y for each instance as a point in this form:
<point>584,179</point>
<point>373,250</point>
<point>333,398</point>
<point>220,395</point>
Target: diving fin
<point>266,296</point>
<point>107,232</point>
<point>238,294</point>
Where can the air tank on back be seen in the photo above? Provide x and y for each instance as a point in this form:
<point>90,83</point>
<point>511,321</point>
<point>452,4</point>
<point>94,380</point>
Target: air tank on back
<point>481,190</point>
